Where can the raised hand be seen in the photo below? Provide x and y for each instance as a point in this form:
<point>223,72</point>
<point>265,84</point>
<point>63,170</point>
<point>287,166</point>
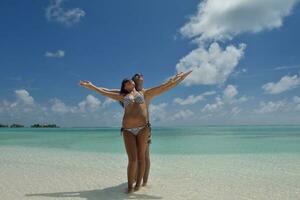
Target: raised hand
<point>86,84</point>
<point>186,74</point>
<point>174,78</point>
<point>172,82</point>
<point>180,75</point>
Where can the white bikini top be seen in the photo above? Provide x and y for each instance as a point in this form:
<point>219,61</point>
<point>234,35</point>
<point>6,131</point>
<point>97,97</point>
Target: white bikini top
<point>138,98</point>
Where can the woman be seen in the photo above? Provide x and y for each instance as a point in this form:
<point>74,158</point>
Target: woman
<point>138,79</point>
<point>135,121</point>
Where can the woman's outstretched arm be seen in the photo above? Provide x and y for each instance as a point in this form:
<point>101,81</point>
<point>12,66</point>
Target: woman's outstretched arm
<point>104,91</point>
<point>172,82</point>
<point>111,90</point>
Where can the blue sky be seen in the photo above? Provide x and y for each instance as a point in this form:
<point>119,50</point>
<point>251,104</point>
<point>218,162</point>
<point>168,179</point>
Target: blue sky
<point>244,56</point>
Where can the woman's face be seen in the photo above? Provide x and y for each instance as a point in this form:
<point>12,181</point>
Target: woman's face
<point>129,86</point>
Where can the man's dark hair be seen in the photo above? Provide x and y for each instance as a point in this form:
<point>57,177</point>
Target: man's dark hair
<point>134,76</point>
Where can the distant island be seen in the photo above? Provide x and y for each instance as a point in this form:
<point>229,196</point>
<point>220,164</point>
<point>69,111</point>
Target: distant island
<point>11,126</point>
<point>3,126</point>
<point>44,126</point>
<point>16,126</point>
<point>32,126</point>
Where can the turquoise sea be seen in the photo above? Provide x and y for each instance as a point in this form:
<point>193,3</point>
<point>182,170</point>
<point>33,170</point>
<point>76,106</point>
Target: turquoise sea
<point>165,140</point>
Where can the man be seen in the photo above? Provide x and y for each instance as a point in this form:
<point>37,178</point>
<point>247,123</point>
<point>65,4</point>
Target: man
<point>139,86</point>
<point>139,81</point>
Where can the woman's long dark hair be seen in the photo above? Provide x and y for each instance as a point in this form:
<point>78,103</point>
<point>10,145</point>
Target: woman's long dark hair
<point>123,91</point>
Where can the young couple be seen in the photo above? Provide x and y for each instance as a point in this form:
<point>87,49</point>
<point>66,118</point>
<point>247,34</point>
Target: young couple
<point>135,124</point>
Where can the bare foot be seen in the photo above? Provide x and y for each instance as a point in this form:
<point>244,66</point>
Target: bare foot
<point>130,190</point>
<point>136,188</point>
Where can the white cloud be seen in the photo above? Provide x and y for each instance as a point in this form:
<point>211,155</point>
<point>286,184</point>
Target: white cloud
<point>23,108</point>
<point>230,92</point>
<point>296,101</point>
<point>182,114</point>
<point>217,20</point>
<point>107,102</point>
<point>90,104</point>
<point>216,106</point>
<point>24,97</point>
<point>235,110</point>
<point>192,99</point>
<point>212,66</point>
<point>229,97</point>
<point>57,54</point>
<point>284,67</point>
<point>270,106</point>
<point>59,107</point>
<point>158,112</point>
<point>239,72</point>
<point>221,20</point>
<point>284,84</point>
<point>55,12</point>
<point>225,107</point>
<point>157,107</point>
<point>117,116</point>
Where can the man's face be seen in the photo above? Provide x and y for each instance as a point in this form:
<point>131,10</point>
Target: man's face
<point>139,79</point>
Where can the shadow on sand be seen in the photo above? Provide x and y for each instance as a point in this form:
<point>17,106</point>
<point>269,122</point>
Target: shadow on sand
<point>115,192</point>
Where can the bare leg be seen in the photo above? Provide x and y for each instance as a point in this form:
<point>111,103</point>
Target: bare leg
<point>135,178</point>
<point>147,168</point>
<point>141,150</point>
<point>131,149</point>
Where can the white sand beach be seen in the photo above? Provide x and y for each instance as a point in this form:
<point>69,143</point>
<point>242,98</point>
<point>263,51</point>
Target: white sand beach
<point>35,173</point>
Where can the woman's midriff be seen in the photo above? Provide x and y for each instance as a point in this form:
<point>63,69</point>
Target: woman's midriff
<point>135,115</point>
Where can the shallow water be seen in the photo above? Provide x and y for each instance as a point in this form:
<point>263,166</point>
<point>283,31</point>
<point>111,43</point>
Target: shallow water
<point>176,140</point>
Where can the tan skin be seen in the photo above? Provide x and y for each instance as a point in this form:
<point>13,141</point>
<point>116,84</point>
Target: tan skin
<point>136,115</point>
<point>139,81</point>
